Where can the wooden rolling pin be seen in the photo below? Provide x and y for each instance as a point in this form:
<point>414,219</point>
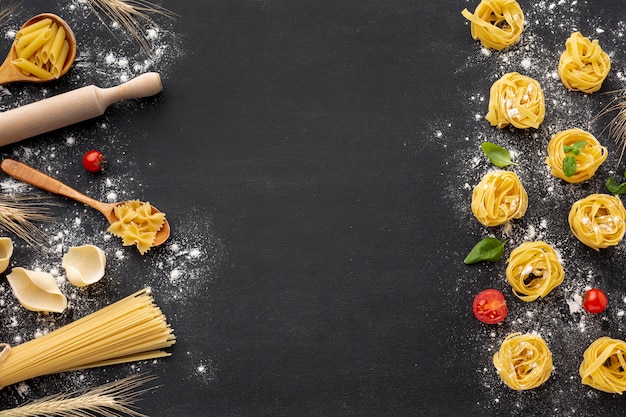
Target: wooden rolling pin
<point>72,107</point>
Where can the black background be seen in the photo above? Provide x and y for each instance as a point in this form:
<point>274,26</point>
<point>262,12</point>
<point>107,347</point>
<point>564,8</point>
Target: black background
<point>303,131</point>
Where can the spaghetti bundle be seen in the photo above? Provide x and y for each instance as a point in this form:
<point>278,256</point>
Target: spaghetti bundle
<point>129,330</point>
<point>604,365</point>
<point>496,23</point>
<point>583,65</point>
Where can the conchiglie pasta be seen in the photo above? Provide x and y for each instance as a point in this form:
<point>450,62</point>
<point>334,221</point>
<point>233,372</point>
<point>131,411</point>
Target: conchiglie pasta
<point>498,198</point>
<point>598,220</point>
<point>516,100</point>
<point>6,251</point>
<point>524,361</point>
<point>588,160</point>
<point>497,24</point>
<point>604,365</point>
<point>534,270</point>
<point>36,290</point>
<point>84,265</point>
<point>583,65</point>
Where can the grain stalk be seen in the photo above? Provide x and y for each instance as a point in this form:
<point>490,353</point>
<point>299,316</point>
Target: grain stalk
<point>17,215</point>
<point>114,399</point>
<point>616,127</point>
<point>133,15</point>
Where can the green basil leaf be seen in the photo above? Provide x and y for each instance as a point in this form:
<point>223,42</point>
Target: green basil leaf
<point>498,156</point>
<point>489,249</point>
<point>614,187</point>
<point>569,165</point>
<point>575,148</point>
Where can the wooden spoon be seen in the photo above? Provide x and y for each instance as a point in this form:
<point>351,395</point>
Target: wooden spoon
<point>29,175</point>
<point>10,73</point>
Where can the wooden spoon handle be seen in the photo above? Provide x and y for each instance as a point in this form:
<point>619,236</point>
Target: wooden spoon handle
<point>72,107</point>
<point>29,175</point>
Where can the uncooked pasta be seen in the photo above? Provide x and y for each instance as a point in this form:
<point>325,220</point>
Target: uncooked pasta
<point>534,270</point>
<point>598,220</point>
<point>583,65</point>
<point>129,330</point>
<point>497,24</point>
<point>604,365</point>
<point>524,361</point>
<point>84,265</point>
<point>137,224</point>
<point>581,148</point>
<point>36,290</point>
<point>498,198</point>
<point>517,100</point>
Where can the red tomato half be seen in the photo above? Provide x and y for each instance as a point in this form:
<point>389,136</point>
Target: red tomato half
<point>595,301</point>
<point>490,307</point>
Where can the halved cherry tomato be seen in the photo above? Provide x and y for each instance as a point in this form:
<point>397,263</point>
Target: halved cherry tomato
<point>595,301</point>
<point>490,307</point>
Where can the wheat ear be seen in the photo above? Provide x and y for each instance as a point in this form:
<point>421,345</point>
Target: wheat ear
<point>6,12</point>
<point>114,399</point>
<point>132,15</point>
<point>616,127</point>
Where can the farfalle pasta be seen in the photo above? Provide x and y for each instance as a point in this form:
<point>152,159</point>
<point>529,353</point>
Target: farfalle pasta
<point>516,100</point>
<point>497,24</point>
<point>588,156</point>
<point>36,290</point>
<point>84,265</point>
<point>137,224</point>
<point>534,270</point>
<point>604,365</point>
<point>524,361</point>
<point>598,220</point>
<point>498,198</point>
<point>583,65</point>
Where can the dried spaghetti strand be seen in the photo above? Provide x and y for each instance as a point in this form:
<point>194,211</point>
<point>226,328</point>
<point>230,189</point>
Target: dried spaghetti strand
<point>129,330</point>
<point>113,399</point>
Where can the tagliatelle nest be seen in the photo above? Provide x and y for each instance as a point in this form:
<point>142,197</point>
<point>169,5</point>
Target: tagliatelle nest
<point>133,15</point>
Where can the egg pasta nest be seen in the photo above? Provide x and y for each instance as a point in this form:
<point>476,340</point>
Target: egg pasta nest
<point>604,365</point>
<point>583,65</point>
<point>498,198</point>
<point>497,24</point>
<point>598,220</point>
<point>534,270</point>
<point>588,158</point>
<point>517,100</point>
<point>524,361</point>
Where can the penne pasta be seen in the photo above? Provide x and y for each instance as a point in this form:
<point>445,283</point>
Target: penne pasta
<point>57,45</point>
<point>30,49</point>
<point>31,68</point>
<point>43,23</point>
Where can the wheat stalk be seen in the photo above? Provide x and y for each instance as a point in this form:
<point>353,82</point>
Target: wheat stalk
<point>6,12</point>
<point>132,15</point>
<point>616,127</point>
<point>114,399</point>
<point>17,215</point>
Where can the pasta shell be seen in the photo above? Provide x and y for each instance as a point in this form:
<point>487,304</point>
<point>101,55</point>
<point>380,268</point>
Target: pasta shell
<point>36,291</point>
<point>84,265</point>
<point>6,251</point>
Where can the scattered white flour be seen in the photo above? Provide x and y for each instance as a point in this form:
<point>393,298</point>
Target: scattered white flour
<point>559,318</point>
<point>179,271</point>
